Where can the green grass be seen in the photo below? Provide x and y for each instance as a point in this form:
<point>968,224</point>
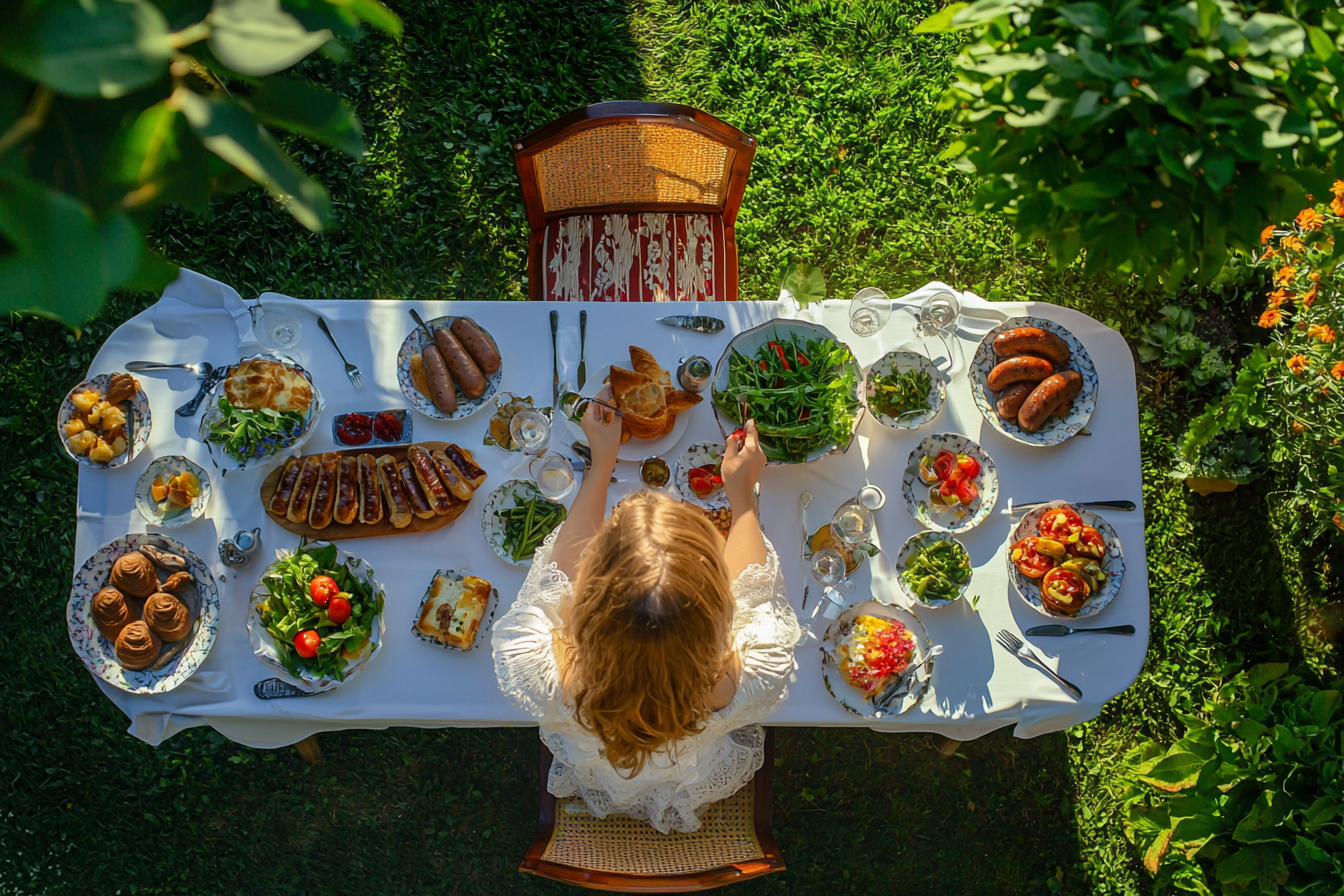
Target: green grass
<point>841,96</point>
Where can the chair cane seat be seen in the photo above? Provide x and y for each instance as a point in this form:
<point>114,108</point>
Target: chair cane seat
<point>646,257</point>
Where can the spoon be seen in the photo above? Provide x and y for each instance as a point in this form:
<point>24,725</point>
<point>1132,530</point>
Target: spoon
<point>205,368</point>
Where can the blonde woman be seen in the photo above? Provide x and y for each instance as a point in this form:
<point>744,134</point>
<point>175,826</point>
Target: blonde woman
<point>647,647</point>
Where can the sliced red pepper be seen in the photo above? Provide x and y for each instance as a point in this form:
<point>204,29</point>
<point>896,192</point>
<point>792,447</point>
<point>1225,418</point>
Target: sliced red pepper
<point>802,358</point>
<point>805,415</point>
<point>779,350</point>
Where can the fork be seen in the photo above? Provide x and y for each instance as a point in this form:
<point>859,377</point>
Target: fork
<point>1013,644</point>
<point>350,370</point>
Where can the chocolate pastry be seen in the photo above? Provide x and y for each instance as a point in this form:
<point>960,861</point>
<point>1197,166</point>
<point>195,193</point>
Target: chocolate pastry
<point>164,560</point>
<point>178,581</point>
<point>120,387</point>
<point>111,612</point>
<point>137,646</point>
<point>134,575</point>
<point>167,616</point>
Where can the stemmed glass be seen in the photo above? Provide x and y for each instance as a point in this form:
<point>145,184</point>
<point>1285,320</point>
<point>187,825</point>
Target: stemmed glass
<point>553,474</point>
<point>938,314</point>
<point>853,523</point>
<point>276,328</point>
<point>869,311</point>
<point>530,431</point>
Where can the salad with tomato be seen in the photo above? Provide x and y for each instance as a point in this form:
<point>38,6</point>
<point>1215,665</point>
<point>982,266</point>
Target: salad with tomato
<point>1065,558</point>
<point>953,478</point>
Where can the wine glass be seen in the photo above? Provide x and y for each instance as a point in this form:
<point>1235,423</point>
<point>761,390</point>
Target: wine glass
<point>276,328</point>
<point>869,311</point>
<point>530,431</point>
<point>828,567</point>
<point>553,474</point>
<point>938,313</point>
<point>853,523</point>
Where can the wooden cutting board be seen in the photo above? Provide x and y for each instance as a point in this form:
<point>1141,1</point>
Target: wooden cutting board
<point>357,529</point>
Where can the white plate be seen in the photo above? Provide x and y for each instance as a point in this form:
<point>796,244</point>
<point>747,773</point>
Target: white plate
<point>913,545</point>
<point>487,618</point>
<point>634,449</point>
<point>267,650</point>
<point>899,362</point>
<point>1113,563</point>
<point>954,518</point>
<point>98,653</point>
<point>140,423</point>
<point>168,467</point>
<point>918,674</point>
<point>282,448</point>
<point>413,344</point>
<point>1056,429</point>
<point>699,454</point>
<point>510,494</point>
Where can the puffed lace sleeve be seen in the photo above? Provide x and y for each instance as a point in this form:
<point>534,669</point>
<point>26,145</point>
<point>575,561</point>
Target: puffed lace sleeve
<point>765,631</point>
<point>522,644</point>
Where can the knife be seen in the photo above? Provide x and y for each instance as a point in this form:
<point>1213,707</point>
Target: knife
<point>1059,631</point>
<point>583,343</point>
<point>555,361</point>
<point>1106,505</point>
<point>700,323</point>
<point>207,383</point>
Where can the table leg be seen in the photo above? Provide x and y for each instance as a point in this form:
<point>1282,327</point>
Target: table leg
<point>309,751</point>
<point>949,747</point>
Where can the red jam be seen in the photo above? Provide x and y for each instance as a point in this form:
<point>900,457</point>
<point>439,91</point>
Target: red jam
<point>355,429</point>
<point>387,426</point>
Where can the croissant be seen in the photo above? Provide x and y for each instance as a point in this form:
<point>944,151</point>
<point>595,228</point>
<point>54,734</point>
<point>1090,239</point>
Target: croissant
<point>164,560</point>
<point>133,574</point>
<point>110,612</point>
<point>167,616</point>
<point>137,647</point>
<point>178,581</point>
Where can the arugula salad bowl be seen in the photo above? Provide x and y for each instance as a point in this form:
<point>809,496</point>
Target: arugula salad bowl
<point>266,436</point>
<point>805,399</point>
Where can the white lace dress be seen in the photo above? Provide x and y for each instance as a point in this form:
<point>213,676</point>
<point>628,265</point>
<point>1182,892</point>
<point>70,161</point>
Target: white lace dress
<point>694,771</point>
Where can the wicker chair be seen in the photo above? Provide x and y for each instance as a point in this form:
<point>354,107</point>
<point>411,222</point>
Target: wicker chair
<point>734,842</point>
<point>632,202</point>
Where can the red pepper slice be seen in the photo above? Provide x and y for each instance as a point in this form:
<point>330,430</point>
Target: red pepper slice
<point>944,464</point>
<point>779,350</point>
<point>802,358</point>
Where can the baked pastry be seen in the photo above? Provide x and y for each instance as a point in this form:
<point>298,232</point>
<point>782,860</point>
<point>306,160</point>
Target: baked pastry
<point>177,581</point>
<point>137,647</point>
<point>260,383</point>
<point>167,616</point>
<point>134,575</point>
<point>164,560</point>
<point>646,398</point>
<point>111,613</point>
<point>454,610</point>
<point>120,387</point>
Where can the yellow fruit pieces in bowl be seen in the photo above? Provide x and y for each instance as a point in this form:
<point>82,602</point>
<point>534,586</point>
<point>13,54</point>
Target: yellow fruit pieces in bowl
<point>178,490</point>
<point>98,427</point>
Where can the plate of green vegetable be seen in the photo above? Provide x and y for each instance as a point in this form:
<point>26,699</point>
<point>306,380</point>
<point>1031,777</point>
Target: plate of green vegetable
<point>904,390</point>
<point>516,520</point>
<point>801,386</point>
<point>934,568</point>
<point>316,615</point>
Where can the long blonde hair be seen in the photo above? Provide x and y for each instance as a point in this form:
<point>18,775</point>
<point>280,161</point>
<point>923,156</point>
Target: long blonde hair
<point>648,627</point>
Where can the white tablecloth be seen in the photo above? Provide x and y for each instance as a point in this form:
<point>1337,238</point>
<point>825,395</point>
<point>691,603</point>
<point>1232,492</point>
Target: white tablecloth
<point>977,686</point>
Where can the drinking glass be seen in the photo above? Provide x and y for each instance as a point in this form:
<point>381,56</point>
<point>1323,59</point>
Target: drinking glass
<point>853,523</point>
<point>553,474</point>
<point>872,497</point>
<point>828,567</point>
<point>530,431</point>
<point>869,311</point>
<point>277,328</point>
<point>939,313</point>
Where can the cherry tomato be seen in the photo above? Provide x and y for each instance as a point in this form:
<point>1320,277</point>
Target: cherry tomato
<point>701,483</point>
<point>1064,590</point>
<point>338,610</point>
<point>944,464</point>
<point>1029,561</point>
<point>306,643</point>
<point>1062,524</point>
<point>948,488</point>
<point>1089,544</point>
<point>967,491</point>
<point>741,435</point>
<point>968,465</point>
<point>323,589</point>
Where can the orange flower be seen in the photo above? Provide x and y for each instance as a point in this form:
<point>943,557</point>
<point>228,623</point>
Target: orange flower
<point>1292,241</point>
<point>1278,297</point>
<point>1285,275</point>
<point>1271,318</point>
<point>1298,426</point>
<point>1309,297</point>
<point>1297,364</point>
<point>1321,332</point>
<point>1309,219</point>
<point>1338,520</point>
<point>1337,204</point>
<point>1338,370</point>
<point>1337,188</point>
<point>1314,276</point>
<point>1267,234</point>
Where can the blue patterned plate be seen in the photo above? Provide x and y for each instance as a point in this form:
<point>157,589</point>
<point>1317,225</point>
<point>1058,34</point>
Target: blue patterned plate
<point>140,423</point>
<point>1113,564</point>
<point>167,467</point>
<point>414,342</point>
<point>957,517</point>
<point>282,448</point>
<point>900,362</point>
<point>1057,429</point>
<point>913,545</point>
<point>915,678</point>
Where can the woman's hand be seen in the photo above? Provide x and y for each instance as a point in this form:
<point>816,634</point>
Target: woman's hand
<point>603,430</point>
<point>741,468</point>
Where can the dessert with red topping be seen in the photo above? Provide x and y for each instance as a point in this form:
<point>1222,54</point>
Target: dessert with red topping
<point>874,652</point>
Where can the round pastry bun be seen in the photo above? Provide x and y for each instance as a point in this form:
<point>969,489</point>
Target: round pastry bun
<point>134,576</point>
<point>111,612</point>
<point>137,647</point>
<point>167,616</point>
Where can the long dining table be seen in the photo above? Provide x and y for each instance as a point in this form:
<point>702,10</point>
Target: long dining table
<point>977,686</point>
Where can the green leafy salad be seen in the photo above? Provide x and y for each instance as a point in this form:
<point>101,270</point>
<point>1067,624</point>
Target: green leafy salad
<point>319,612</point>
<point>244,434</point>
<point>900,393</point>
<point>803,394</point>
<point>937,572</point>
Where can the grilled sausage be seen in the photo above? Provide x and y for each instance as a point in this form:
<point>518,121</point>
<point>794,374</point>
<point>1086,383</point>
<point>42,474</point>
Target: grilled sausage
<point>1019,369</point>
<point>428,477</point>
<point>477,344</point>
<point>284,486</point>
<point>465,372</point>
<point>1010,399</point>
<point>419,504</point>
<point>398,508</point>
<point>1031,339</point>
<point>466,465</point>
<point>304,489</point>
<point>324,496</point>
<point>347,490</point>
<point>1048,397</point>
<point>370,503</point>
<point>450,476</point>
<point>441,390</point>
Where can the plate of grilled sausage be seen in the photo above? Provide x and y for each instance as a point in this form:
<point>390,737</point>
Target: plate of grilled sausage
<point>1033,381</point>
<point>453,375</point>
<point>360,494</point>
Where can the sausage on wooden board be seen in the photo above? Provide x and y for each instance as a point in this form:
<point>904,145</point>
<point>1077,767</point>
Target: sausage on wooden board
<point>370,501</point>
<point>428,477</point>
<point>398,508</point>
<point>419,504</point>
<point>347,490</point>
<point>457,486</point>
<point>303,491</point>
<point>284,486</point>
<point>324,496</point>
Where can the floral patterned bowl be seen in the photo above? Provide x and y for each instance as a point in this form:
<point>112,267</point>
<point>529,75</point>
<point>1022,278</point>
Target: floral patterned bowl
<point>165,467</point>
<point>1113,563</point>
<point>954,518</point>
<point>414,342</point>
<point>900,362</point>
<point>140,423</point>
<point>915,679</point>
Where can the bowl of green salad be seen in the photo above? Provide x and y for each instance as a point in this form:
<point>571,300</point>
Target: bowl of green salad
<point>934,568</point>
<point>904,390</point>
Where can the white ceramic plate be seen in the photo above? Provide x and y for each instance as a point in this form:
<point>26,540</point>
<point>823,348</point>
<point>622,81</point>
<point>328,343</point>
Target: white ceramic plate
<point>900,362</point>
<point>281,448</point>
<point>1113,563</point>
<point>954,518</point>
<point>168,467</point>
<point>698,455</point>
<point>487,618</point>
<point>510,494</point>
<point>267,650</point>
<point>1057,429</point>
<point>414,342</point>
<point>634,449</point>
<point>140,423</point>
<point>917,675</point>
<point>913,545</point>
<point>98,653</point>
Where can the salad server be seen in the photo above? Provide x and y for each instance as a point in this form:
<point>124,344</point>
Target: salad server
<point>207,383</point>
<point>700,323</point>
<point>1105,505</point>
<point>1059,631</point>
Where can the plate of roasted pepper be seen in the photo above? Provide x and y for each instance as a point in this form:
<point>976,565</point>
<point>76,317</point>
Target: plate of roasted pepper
<point>1064,561</point>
